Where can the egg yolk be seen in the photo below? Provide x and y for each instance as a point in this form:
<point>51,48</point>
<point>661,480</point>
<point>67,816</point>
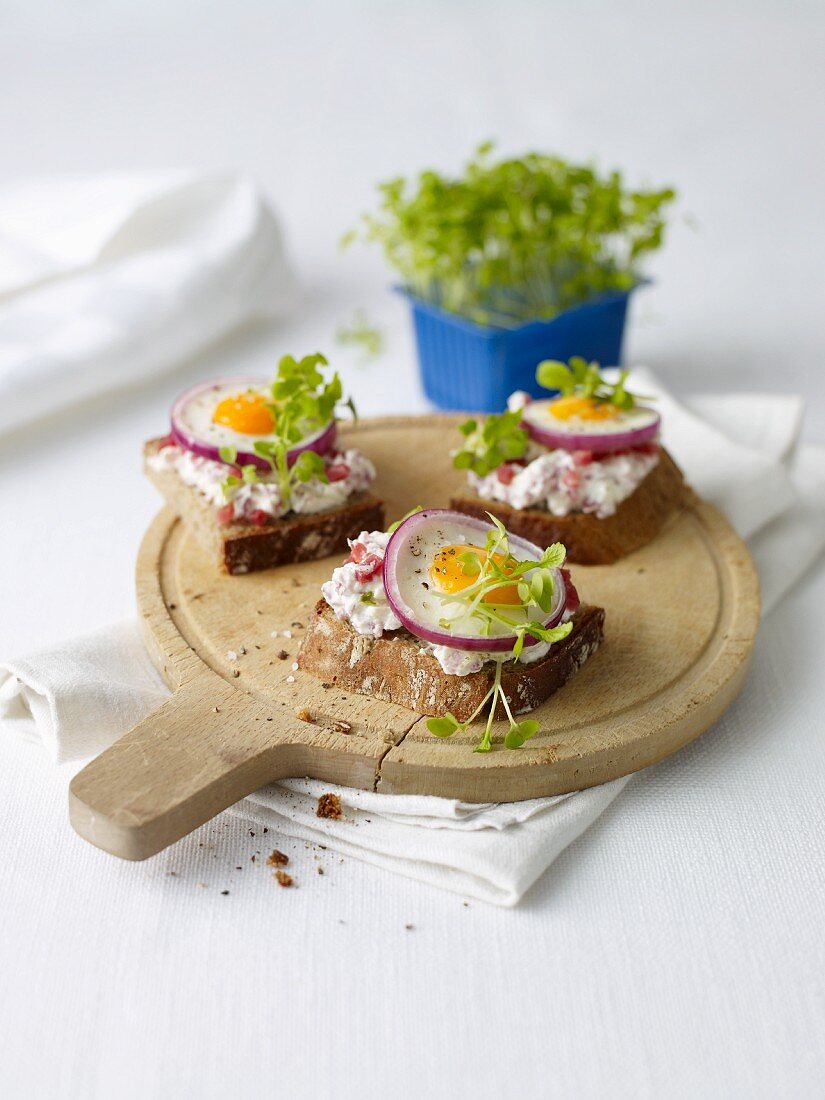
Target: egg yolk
<point>447,573</point>
<point>583,408</point>
<point>245,413</point>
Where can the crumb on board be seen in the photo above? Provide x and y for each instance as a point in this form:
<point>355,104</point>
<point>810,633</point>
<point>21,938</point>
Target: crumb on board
<point>282,654</point>
<point>283,879</point>
<point>329,805</point>
<point>304,715</point>
<point>342,727</point>
<point>277,859</point>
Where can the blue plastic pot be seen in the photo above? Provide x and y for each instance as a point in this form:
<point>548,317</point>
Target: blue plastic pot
<point>473,367</point>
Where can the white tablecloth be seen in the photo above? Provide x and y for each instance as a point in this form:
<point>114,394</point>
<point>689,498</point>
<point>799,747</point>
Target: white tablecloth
<point>674,950</point>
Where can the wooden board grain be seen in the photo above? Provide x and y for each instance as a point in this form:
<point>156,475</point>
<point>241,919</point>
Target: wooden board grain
<point>682,615</point>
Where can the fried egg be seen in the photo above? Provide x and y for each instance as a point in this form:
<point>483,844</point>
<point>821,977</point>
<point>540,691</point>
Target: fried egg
<point>584,416</point>
<point>231,413</point>
<point>433,560</point>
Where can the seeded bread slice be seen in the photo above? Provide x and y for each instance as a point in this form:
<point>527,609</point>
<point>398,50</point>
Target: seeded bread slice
<point>244,548</point>
<point>394,668</point>
<point>589,540</point>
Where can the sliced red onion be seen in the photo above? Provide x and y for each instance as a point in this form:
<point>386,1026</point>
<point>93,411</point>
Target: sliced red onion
<point>539,425</point>
<point>395,555</point>
<point>320,441</point>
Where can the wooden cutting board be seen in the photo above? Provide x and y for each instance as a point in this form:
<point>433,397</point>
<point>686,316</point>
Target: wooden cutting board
<point>682,615</point>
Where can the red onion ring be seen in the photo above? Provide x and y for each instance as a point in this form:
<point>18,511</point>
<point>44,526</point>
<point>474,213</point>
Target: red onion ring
<point>320,441</point>
<point>598,443</point>
<point>498,644</point>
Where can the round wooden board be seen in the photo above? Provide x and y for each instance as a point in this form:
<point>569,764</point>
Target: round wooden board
<point>682,615</point>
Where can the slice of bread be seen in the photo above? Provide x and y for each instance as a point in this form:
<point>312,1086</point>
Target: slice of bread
<point>244,548</point>
<point>395,669</point>
<point>589,540</point>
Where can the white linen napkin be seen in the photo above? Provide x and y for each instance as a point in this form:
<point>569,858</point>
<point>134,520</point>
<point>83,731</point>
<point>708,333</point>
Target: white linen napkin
<point>77,698</point>
<point>107,280</point>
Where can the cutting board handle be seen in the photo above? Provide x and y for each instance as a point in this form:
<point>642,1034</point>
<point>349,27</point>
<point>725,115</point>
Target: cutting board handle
<point>207,747</point>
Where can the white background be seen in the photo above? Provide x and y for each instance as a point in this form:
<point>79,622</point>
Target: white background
<point>676,949</point>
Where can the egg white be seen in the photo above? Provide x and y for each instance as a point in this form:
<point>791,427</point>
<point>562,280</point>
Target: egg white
<point>417,588</point>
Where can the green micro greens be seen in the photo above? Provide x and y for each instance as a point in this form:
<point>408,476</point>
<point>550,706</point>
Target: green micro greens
<point>585,380</point>
<point>500,437</point>
<point>302,402</point>
<point>361,334</point>
<point>534,584</point>
<point>514,240</point>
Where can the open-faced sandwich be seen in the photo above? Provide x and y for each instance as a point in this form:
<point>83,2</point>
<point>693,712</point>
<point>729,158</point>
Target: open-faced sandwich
<point>584,468</point>
<point>257,472</point>
<point>446,614</point>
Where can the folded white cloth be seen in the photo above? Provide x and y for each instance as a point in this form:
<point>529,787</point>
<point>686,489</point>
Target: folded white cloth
<point>77,698</point>
<point>107,280</point>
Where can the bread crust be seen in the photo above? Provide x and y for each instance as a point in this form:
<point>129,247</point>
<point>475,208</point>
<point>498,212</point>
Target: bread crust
<point>394,669</point>
<point>241,548</point>
<point>589,540</point>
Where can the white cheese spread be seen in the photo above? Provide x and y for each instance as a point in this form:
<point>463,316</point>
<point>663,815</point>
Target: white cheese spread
<point>264,496</point>
<point>357,597</point>
<point>567,481</point>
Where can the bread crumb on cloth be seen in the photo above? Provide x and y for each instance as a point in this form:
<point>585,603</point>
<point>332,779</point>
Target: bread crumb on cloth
<point>329,806</point>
